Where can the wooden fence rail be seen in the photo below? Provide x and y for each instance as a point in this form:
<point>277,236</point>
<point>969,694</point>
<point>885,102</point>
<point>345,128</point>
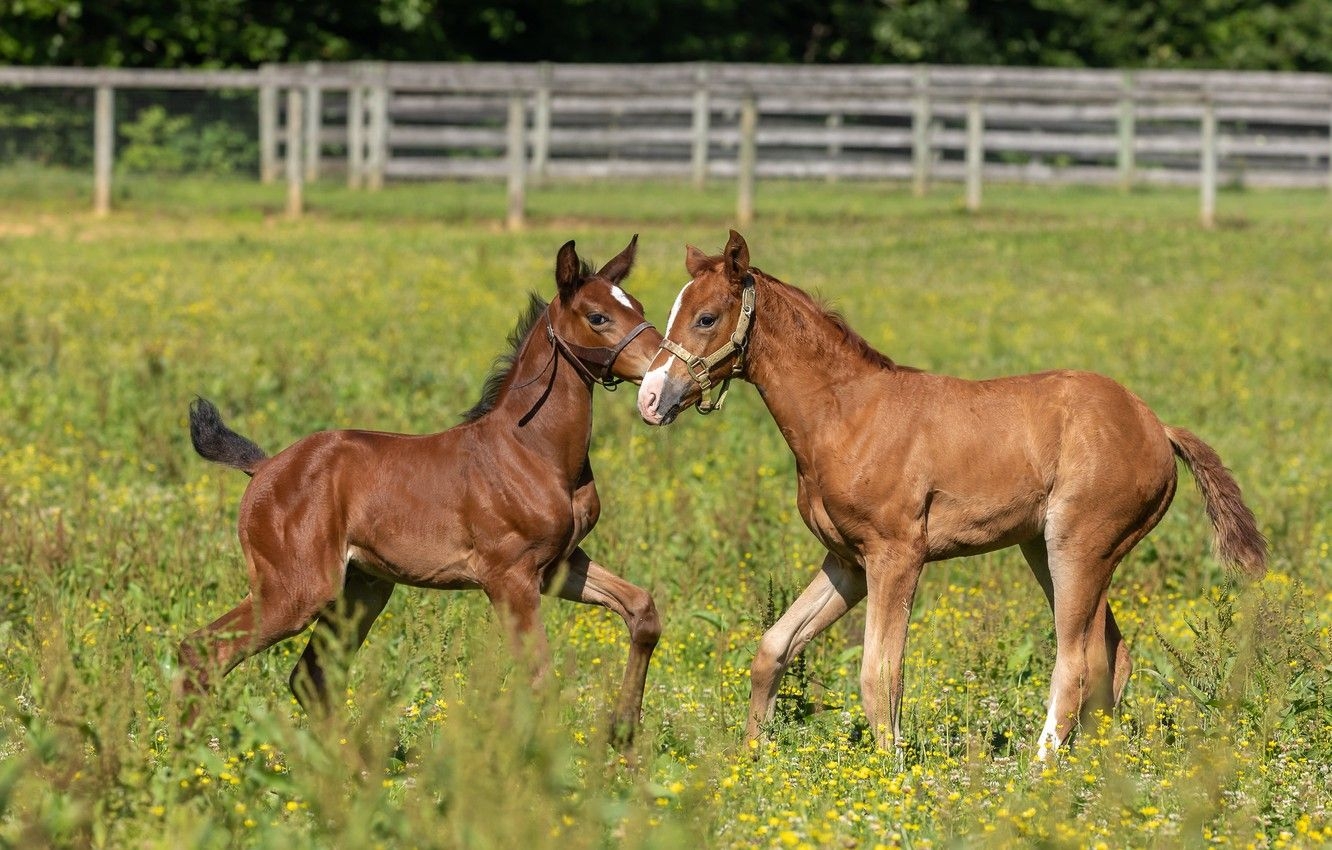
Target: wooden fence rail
<point>524,123</point>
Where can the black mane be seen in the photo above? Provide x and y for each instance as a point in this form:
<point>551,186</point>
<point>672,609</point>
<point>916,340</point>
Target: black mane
<point>499,372</point>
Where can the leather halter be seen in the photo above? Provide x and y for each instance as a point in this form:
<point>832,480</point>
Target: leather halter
<point>700,367</point>
<point>602,357</point>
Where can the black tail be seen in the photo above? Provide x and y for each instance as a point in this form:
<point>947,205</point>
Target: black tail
<point>214,441</point>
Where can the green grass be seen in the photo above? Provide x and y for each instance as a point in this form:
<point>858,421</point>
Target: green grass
<point>385,311</point>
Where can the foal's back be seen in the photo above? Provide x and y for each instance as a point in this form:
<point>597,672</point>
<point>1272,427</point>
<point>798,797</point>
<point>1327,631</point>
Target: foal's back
<point>422,510</point>
<point>991,462</point>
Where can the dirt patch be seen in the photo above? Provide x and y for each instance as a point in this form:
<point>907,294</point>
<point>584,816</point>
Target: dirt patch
<point>39,225</point>
<point>9,230</point>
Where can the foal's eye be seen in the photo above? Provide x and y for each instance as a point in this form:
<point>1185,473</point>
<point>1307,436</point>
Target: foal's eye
<point>707,320</point>
<point>597,320</point>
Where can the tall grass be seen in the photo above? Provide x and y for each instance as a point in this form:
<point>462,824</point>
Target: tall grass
<point>384,311</point>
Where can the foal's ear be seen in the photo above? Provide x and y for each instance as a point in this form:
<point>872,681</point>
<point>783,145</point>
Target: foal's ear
<point>696,262</point>
<point>618,268</point>
<point>737,257</point>
<point>568,270</point>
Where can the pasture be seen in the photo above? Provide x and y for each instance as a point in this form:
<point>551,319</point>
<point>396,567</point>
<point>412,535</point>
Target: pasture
<point>385,311</point>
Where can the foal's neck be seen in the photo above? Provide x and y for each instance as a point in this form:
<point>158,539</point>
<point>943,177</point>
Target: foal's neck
<point>545,403</point>
<point>802,359</point>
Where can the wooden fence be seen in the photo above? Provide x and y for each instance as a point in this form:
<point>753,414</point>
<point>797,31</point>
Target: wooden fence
<point>378,121</point>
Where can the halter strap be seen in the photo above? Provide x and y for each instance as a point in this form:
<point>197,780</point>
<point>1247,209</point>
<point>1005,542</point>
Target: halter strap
<point>699,368</point>
<point>603,357</point>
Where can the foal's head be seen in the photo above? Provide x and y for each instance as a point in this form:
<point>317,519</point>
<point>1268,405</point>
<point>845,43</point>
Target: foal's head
<point>600,323</point>
<point>706,334</point>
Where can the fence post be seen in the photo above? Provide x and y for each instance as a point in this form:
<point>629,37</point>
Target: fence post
<point>920,134</point>
<point>1329,153</point>
<point>268,121</point>
<point>104,146</point>
<point>356,133</point>
<point>517,161</point>
<point>748,160</point>
<point>541,123</point>
<point>1207,177</point>
<point>377,157</point>
<point>834,125</point>
<point>699,154</point>
<point>295,171</point>
<point>975,153</point>
<point>1126,132</point>
<point>314,121</point>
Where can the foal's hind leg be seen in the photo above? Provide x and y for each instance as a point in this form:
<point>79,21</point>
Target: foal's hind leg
<point>216,649</point>
<point>1116,648</point>
<point>589,582</point>
<point>338,633</point>
<point>1091,659</point>
<point>1087,535</point>
<point>1080,682</point>
<point>835,590</point>
<point>219,646</point>
<point>1080,660</point>
<point>277,607</point>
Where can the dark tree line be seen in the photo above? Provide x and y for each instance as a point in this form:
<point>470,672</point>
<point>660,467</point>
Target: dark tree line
<point>1236,34</point>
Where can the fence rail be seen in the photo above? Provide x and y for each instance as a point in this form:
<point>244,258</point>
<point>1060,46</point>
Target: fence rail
<point>700,121</point>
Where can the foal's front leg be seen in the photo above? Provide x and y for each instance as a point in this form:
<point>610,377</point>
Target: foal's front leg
<point>517,600</point>
<point>891,579</point>
<point>589,582</point>
<point>835,590</point>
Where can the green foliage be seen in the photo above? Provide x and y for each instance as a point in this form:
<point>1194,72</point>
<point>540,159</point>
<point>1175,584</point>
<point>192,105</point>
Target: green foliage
<point>155,143</point>
<point>1236,34</point>
<point>385,310</point>
<point>160,143</point>
<point>43,129</point>
<point>1247,34</point>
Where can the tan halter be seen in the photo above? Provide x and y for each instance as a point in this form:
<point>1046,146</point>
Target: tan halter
<point>700,367</point>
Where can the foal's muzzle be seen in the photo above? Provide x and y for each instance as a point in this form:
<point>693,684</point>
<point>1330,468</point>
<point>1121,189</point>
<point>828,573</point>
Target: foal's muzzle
<point>660,397</point>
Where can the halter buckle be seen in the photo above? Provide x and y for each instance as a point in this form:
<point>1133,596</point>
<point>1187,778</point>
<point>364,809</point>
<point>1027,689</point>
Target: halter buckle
<point>698,370</point>
<point>704,407</point>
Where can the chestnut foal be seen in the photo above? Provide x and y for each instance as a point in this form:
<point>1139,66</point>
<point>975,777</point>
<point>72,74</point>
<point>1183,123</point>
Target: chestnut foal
<point>499,502</point>
<point>897,467</point>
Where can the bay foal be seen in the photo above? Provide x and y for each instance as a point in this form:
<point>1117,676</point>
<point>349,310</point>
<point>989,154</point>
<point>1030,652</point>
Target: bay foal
<point>897,467</point>
<point>499,502</point>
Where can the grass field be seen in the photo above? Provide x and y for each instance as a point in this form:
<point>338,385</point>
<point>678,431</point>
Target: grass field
<point>385,311</point>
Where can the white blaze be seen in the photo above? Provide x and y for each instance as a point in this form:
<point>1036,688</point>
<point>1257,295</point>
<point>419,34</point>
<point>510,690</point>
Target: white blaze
<point>620,296</point>
<point>649,391</point>
<point>675,308</point>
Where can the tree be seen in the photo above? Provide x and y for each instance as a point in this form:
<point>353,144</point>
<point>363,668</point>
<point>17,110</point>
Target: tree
<point>1241,34</point>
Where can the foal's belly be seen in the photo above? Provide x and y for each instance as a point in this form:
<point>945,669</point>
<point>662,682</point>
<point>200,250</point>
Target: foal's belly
<point>959,525</point>
<point>443,571</point>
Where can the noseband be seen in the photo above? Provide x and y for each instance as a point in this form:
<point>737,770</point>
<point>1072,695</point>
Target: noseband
<point>700,367</point>
<point>602,357</point>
